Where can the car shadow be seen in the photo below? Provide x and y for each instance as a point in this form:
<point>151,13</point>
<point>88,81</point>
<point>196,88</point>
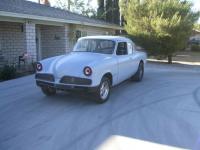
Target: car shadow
<point>72,97</point>
<point>86,97</point>
<point>76,97</point>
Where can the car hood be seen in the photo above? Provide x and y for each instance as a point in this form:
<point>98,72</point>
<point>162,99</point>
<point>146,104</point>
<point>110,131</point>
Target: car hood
<point>74,63</point>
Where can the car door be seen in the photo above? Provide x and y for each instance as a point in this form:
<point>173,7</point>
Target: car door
<point>124,61</point>
<point>133,58</point>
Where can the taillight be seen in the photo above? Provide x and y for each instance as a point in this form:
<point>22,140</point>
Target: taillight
<point>38,66</point>
<point>87,71</point>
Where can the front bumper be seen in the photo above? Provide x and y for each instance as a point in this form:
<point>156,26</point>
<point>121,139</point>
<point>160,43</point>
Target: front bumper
<point>65,83</point>
<point>65,87</point>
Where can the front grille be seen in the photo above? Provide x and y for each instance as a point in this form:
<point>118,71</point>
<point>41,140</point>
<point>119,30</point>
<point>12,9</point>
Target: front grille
<point>45,76</point>
<point>75,80</point>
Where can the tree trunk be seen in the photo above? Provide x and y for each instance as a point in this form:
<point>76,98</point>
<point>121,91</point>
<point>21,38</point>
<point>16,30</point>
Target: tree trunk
<point>169,59</point>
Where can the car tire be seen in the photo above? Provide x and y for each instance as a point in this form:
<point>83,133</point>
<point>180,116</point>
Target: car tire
<point>139,74</point>
<point>48,91</point>
<point>103,91</point>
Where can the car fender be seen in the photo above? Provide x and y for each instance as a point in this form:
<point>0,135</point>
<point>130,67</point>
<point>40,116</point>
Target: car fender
<point>48,64</point>
<point>141,56</point>
<point>107,66</point>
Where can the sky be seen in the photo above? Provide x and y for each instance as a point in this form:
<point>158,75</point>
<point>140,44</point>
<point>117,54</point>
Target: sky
<point>196,4</point>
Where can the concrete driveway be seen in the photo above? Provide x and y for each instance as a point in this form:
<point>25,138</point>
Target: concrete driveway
<point>164,108</point>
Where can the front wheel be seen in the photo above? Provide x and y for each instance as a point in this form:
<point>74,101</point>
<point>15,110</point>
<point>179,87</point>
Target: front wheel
<point>103,92</point>
<point>140,73</point>
<point>48,91</point>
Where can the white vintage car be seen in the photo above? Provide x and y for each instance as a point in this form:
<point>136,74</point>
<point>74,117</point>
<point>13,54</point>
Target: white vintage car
<point>96,64</point>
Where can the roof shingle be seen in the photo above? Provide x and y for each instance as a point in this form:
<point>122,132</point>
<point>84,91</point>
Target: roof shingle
<point>31,8</point>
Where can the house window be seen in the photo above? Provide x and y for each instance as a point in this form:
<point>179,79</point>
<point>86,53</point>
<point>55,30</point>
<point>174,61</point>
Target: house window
<point>56,37</point>
<point>83,33</point>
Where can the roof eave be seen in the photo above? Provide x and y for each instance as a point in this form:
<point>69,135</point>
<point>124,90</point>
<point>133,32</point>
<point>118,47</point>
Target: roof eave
<point>44,18</point>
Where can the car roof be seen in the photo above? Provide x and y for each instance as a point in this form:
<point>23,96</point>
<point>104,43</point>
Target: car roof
<point>108,37</point>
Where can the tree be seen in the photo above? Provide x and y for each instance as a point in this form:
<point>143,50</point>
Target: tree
<point>109,11</point>
<point>77,6</point>
<point>161,27</point>
<point>101,10</point>
<point>197,26</point>
<point>64,4</point>
<point>116,12</point>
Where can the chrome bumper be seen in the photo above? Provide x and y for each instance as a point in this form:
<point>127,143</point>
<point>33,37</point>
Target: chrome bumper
<point>64,87</point>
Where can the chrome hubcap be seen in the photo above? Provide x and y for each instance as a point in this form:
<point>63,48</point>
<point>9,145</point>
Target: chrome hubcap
<point>104,90</point>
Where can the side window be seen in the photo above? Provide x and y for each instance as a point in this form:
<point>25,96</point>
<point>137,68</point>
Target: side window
<point>130,48</point>
<point>122,48</point>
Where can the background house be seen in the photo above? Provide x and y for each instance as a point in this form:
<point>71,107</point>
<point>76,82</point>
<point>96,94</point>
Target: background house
<point>194,41</point>
<point>42,31</point>
<point>195,35</point>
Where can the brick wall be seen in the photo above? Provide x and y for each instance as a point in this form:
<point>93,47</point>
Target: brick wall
<point>53,40</point>
<point>95,30</point>
<point>69,43</point>
<point>12,39</point>
<point>17,38</point>
<point>30,38</point>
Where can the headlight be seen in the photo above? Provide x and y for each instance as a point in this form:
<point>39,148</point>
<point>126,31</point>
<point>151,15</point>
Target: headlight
<point>87,71</point>
<point>38,66</point>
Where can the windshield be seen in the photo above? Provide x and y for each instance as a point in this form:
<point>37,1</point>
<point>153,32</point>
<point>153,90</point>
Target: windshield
<point>95,46</point>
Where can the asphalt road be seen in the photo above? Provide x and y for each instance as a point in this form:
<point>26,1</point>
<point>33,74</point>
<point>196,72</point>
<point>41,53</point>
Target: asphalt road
<point>164,108</point>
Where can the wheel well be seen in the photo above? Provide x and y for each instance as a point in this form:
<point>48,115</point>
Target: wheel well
<point>109,76</point>
<point>141,61</point>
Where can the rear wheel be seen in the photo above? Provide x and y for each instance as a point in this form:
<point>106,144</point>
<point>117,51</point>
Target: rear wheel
<point>103,92</point>
<point>48,91</point>
<point>140,73</point>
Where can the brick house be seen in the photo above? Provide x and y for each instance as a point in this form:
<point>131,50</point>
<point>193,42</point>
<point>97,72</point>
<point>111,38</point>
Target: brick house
<point>42,31</point>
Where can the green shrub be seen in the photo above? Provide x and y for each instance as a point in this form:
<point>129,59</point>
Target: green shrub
<point>7,72</point>
<point>195,48</point>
